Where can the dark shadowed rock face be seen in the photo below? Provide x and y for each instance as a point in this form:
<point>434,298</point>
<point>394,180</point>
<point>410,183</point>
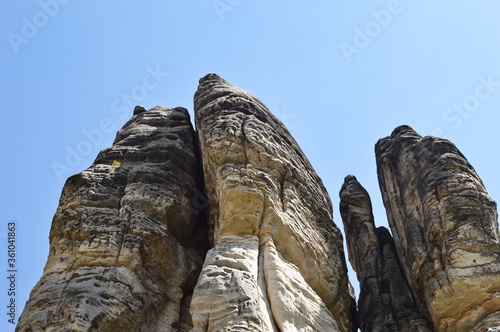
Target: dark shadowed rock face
<point>276,248</point>
<point>445,229</point>
<point>385,302</point>
<point>122,250</point>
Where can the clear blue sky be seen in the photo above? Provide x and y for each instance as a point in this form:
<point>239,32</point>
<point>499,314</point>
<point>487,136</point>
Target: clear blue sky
<point>339,75</point>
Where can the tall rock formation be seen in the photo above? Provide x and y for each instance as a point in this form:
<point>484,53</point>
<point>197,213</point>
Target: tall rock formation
<point>277,261</point>
<point>445,229</point>
<point>229,228</point>
<point>441,271</point>
<point>129,238</point>
<point>124,249</point>
<point>386,302</point>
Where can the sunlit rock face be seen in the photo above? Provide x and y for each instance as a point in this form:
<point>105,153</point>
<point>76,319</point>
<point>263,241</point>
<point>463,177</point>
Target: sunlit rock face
<point>445,229</point>
<point>440,270</point>
<point>277,262</point>
<point>229,228</point>
<point>133,235</point>
<point>125,252</point>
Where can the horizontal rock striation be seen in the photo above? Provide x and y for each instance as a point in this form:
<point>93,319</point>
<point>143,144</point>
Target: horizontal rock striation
<point>386,302</point>
<point>125,252</point>
<point>277,262</point>
<point>445,229</point>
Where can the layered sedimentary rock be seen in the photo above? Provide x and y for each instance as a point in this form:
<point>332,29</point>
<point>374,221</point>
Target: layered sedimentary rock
<point>124,249</point>
<point>277,262</point>
<point>129,239</point>
<point>133,246</point>
<point>386,301</point>
<point>445,230</point>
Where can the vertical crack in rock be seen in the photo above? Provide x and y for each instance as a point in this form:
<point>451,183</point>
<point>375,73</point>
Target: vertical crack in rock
<point>244,140</point>
<point>386,302</point>
<point>282,194</point>
<point>122,255</point>
<point>446,229</point>
<point>296,250</point>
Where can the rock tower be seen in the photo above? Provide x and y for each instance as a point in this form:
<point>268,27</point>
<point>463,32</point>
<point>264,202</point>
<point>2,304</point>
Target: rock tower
<point>227,227</point>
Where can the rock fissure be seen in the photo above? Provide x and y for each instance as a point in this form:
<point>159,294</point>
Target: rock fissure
<point>244,140</point>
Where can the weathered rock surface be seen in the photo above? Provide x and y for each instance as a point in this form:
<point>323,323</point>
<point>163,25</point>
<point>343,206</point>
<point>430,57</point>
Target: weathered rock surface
<point>385,302</point>
<point>124,252</point>
<point>445,230</point>
<point>133,247</point>
<point>277,262</point>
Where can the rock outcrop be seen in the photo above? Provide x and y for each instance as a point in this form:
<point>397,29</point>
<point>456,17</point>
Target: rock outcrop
<point>130,236</point>
<point>386,302</point>
<point>445,229</point>
<point>441,271</point>
<point>229,228</point>
<point>125,252</point>
<point>277,261</point>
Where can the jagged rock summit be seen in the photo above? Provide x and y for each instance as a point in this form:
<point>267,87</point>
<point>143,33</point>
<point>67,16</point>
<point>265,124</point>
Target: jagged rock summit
<point>276,252</point>
<point>132,247</point>
<point>386,301</point>
<point>442,269</point>
<point>229,228</point>
<point>124,253</point>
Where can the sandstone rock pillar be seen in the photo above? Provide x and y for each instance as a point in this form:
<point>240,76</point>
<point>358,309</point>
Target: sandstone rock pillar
<point>386,301</point>
<point>445,229</point>
<point>124,252</point>
<point>277,261</point>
